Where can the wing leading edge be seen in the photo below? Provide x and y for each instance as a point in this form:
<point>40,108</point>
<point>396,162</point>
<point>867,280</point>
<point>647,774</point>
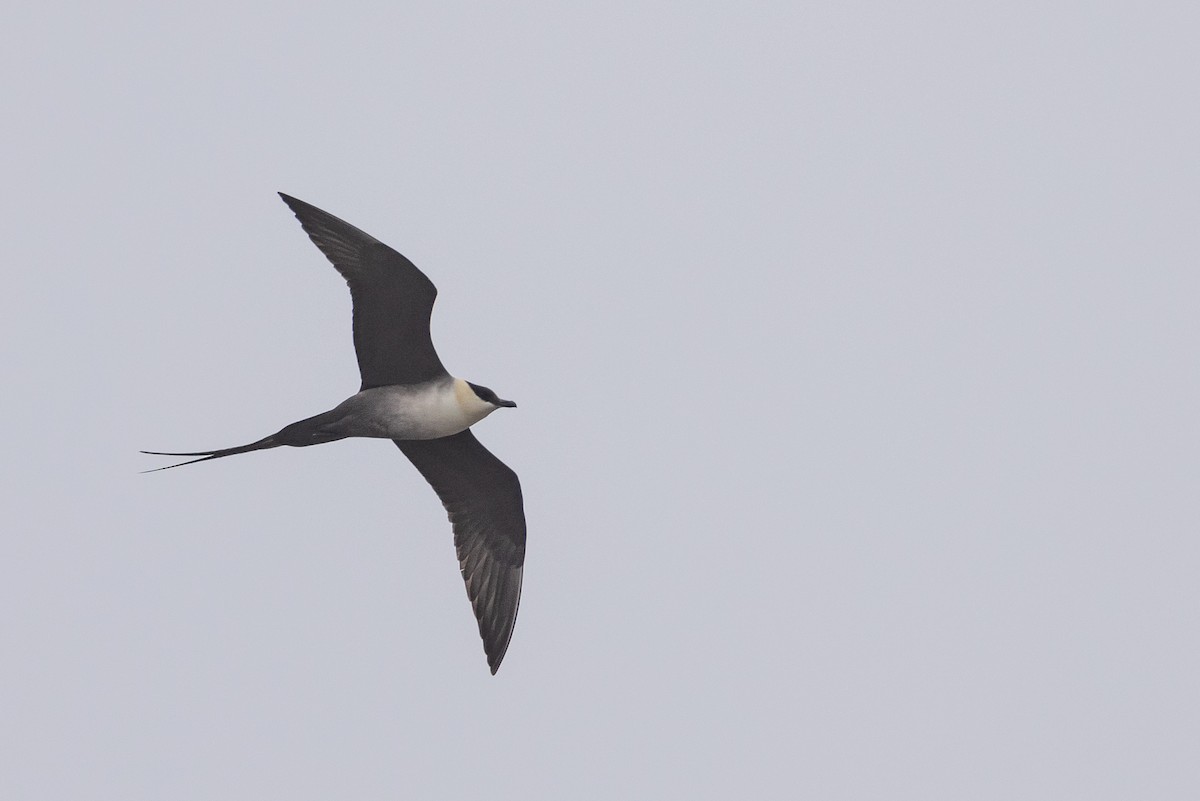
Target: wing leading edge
<point>483,500</point>
<point>393,300</point>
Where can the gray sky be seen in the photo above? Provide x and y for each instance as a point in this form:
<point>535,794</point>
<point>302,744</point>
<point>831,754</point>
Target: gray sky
<point>856,353</point>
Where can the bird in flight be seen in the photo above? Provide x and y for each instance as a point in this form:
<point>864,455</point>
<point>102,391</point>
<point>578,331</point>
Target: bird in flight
<point>408,397</point>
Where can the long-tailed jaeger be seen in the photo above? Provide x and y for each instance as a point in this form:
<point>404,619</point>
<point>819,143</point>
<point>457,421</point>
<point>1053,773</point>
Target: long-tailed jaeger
<point>408,397</point>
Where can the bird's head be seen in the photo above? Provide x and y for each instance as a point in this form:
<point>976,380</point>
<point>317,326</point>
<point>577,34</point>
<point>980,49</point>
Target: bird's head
<point>476,401</point>
<point>487,396</point>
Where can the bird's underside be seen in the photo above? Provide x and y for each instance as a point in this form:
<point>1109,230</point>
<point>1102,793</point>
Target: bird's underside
<point>393,301</point>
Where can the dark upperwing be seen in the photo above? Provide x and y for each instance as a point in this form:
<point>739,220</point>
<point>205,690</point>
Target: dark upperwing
<point>482,497</point>
<point>392,299</point>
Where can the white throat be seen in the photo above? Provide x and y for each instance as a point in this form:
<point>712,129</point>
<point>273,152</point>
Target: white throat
<point>472,407</point>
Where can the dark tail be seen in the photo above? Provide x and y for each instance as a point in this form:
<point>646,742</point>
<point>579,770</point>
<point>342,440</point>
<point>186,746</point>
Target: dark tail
<point>268,442</point>
<point>311,431</point>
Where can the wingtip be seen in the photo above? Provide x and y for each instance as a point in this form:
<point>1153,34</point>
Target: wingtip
<point>495,657</point>
<point>303,211</point>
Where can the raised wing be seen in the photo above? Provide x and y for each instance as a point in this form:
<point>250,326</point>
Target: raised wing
<point>392,300</point>
<point>482,497</point>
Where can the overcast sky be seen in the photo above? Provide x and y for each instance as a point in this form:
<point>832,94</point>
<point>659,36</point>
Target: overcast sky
<point>856,347</point>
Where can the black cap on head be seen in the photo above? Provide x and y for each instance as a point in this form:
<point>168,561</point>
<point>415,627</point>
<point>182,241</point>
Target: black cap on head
<point>485,394</point>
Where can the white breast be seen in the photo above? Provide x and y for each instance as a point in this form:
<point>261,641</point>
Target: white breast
<point>422,411</point>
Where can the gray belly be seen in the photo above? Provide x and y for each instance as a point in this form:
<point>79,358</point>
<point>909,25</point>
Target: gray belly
<point>426,411</point>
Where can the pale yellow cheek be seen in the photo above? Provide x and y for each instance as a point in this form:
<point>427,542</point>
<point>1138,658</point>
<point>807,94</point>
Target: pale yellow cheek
<point>468,402</point>
<point>462,394</point>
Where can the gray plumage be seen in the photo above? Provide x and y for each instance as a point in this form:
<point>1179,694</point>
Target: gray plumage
<point>407,396</point>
